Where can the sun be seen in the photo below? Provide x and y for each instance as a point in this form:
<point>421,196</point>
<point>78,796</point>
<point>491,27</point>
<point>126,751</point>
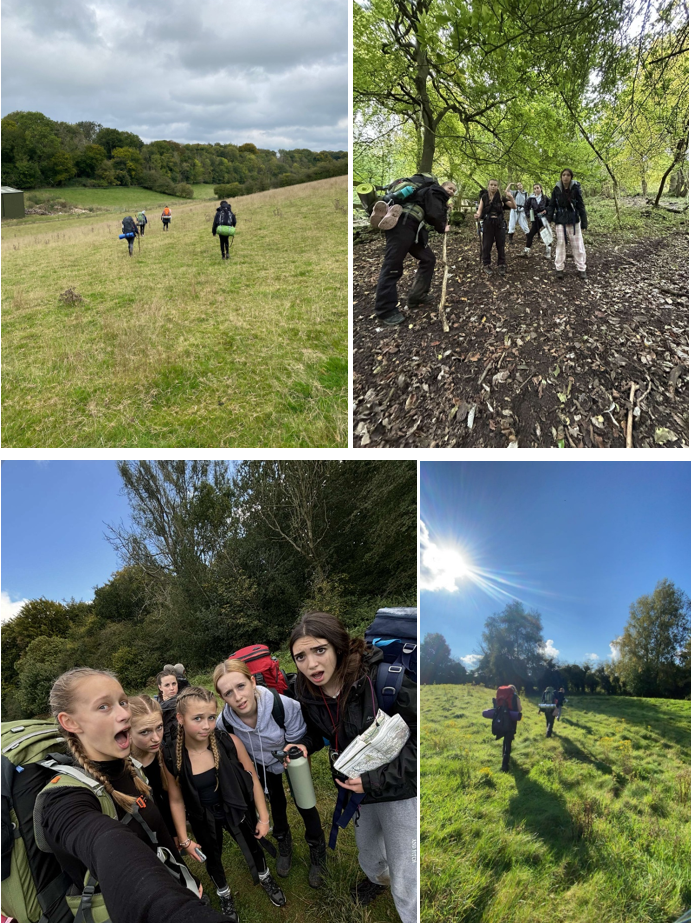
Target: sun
<point>443,567</point>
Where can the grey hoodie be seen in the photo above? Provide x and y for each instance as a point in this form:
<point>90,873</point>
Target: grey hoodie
<point>267,735</point>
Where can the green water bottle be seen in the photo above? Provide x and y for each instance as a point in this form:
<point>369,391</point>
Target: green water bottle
<point>299,777</point>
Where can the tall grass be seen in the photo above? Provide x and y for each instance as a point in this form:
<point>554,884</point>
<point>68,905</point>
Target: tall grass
<point>174,347</point>
<point>590,826</point>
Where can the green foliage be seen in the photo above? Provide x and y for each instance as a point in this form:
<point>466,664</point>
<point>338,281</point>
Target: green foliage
<point>436,664</point>
<point>184,191</point>
<point>228,190</point>
<point>511,646</point>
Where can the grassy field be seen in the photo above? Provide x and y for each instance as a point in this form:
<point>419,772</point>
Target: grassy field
<point>590,826</point>
<point>174,347</point>
<point>330,903</point>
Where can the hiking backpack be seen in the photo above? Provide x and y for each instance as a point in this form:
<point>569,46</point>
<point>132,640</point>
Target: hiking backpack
<point>34,887</point>
<point>504,702</point>
<point>394,632</point>
<point>166,212</point>
<point>264,668</point>
<point>141,218</point>
<point>128,226</point>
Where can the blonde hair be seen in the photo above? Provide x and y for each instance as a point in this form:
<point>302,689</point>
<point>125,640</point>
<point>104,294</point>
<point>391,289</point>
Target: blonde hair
<point>230,666</point>
<point>141,706</point>
<point>61,699</point>
<point>194,692</point>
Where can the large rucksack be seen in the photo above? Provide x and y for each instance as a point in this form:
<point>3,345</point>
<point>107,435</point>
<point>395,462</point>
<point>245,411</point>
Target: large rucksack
<point>34,887</point>
<point>394,632</point>
<point>226,221</point>
<point>128,225</point>
<point>505,701</point>
<point>141,218</point>
<point>264,668</point>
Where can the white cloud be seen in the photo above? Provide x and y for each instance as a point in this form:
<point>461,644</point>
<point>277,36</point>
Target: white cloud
<point>591,657</point>
<point>440,568</point>
<point>9,609</point>
<point>614,649</point>
<point>471,660</point>
<point>548,649</point>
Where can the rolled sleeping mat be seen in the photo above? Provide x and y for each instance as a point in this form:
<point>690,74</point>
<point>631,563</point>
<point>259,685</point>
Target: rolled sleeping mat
<point>514,715</point>
<point>225,231</point>
<point>546,706</point>
<point>367,195</point>
<point>129,236</point>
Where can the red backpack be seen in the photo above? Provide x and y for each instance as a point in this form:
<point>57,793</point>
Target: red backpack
<point>263,666</point>
<point>505,696</point>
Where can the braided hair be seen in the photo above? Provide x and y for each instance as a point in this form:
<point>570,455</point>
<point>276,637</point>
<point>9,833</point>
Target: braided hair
<point>141,706</point>
<point>61,699</point>
<point>194,692</point>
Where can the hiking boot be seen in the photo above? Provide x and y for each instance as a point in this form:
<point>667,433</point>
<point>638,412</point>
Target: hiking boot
<point>228,907</point>
<point>526,252</point>
<point>390,219</point>
<point>393,320</point>
<point>276,896</point>
<point>365,892</point>
<point>317,862</point>
<point>502,270</point>
<point>487,269</point>
<point>378,212</point>
<point>285,852</point>
<point>560,273</point>
<point>508,240</point>
<point>581,273</point>
<point>419,302</point>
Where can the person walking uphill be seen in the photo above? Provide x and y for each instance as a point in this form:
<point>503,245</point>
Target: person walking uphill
<point>166,216</point>
<point>129,232</point>
<point>142,221</point>
<point>224,225</point>
<point>505,713</point>
<point>491,212</point>
<point>567,210</point>
<point>429,205</point>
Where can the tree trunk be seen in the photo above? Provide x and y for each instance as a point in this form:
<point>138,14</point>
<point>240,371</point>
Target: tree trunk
<point>678,156</point>
<point>644,187</point>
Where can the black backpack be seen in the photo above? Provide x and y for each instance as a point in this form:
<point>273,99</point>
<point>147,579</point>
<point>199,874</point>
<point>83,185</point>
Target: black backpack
<point>501,722</point>
<point>394,632</point>
<point>128,225</point>
<point>226,216</point>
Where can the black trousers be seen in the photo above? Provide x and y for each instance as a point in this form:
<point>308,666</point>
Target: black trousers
<point>225,243</point>
<point>166,222</point>
<point>549,718</point>
<point>277,799</point>
<point>506,751</point>
<point>400,241</point>
<point>141,229</point>
<point>214,862</point>
<point>493,232</point>
<point>535,228</point>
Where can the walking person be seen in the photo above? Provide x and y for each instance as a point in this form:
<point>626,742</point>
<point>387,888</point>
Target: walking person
<point>224,225</point>
<point>567,210</point>
<point>559,699</point>
<point>129,231</point>
<point>505,714</point>
<point>221,792</point>
<point>548,707</point>
<point>265,721</point>
<point>336,685</point>
<point>429,205</point>
<point>518,214</point>
<point>118,858</point>
<point>166,217</point>
<point>537,209</point>
<point>142,221</point>
<point>491,212</point>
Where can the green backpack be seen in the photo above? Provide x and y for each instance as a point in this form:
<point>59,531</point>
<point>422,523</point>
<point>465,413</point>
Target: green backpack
<point>141,218</point>
<point>34,887</point>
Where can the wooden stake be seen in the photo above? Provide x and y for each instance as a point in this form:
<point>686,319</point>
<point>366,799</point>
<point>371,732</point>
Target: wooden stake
<point>629,423</point>
<point>442,313</point>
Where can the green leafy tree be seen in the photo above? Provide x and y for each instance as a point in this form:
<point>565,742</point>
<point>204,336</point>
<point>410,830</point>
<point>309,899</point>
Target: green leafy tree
<point>88,160</point>
<point>436,664</point>
<point>511,646</point>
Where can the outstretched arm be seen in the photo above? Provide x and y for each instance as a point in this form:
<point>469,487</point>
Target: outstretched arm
<point>262,828</point>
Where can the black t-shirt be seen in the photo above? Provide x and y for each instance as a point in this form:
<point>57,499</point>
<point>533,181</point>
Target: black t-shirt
<point>136,886</point>
<point>153,775</point>
<point>209,791</point>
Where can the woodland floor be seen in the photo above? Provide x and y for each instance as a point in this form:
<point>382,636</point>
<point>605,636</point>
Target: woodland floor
<point>529,361</point>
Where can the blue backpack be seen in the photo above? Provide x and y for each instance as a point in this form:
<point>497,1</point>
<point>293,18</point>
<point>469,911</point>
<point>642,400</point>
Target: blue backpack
<point>394,632</point>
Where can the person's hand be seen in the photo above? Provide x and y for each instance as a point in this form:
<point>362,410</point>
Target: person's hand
<point>352,785</point>
<point>262,829</point>
<point>201,890</point>
<point>190,850</point>
<point>447,228</point>
<point>477,216</point>
<point>301,747</point>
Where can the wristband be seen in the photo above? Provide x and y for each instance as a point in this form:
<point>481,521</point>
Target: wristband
<point>186,843</point>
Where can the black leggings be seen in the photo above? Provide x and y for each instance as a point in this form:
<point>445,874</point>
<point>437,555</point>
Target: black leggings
<point>225,243</point>
<point>141,229</point>
<point>214,862</point>
<point>277,799</point>
<point>535,228</point>
<point>166,222</point>
<point>506,751</point>
<point>493,231</point>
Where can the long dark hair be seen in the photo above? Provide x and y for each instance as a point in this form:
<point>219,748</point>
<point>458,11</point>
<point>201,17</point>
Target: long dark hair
<point>349,651</point>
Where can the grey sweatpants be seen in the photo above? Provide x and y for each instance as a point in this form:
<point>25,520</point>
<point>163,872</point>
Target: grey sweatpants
<point>386,837</point>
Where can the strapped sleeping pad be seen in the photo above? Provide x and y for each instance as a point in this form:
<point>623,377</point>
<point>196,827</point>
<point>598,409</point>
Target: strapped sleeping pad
<point>34,887</point>
<point>504,702</point>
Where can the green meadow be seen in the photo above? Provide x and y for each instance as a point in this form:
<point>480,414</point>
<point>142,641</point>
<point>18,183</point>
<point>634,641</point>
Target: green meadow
<point>590,826</point>
<point>329,904</point>
<point>175,347</point>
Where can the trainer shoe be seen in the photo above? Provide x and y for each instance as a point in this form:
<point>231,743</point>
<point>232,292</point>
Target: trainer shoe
<point>366,891</point>
<point>276,896</point>
<point>378,212</point>
<point>526,252</point>
<point>390,219</point>
<point>487,269</point>
<point>393,320</point>
<point>228,907</point>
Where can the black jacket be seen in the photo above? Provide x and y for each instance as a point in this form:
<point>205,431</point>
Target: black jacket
<point>567,207</point>
<point>494,207</point>
<point>396,780</point>
<point>539,206</point>
<point>229,220</point>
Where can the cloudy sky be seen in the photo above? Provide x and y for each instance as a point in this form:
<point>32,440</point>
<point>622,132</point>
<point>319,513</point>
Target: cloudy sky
<point>275,74</point>
<point>577,541</point>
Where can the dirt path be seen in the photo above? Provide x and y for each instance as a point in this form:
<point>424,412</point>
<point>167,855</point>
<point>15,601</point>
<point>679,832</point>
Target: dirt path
<point>529,360</point>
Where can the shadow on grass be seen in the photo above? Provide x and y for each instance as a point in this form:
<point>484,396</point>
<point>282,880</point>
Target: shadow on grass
<point>572,751</point>
<point>669,719</point>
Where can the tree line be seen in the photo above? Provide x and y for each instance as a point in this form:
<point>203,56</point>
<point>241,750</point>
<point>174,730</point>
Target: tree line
<point>215,558</point>
<point>38,151</point>
<point>652,655</point>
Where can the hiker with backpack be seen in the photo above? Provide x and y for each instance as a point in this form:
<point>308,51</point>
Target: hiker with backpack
<point>537,208</point>
<point>566,210</point>
<point>406,233</point>
<point>221,791</point>
<point>147,739</point>
<point>142,221</point>
<point>166,216</point>
<point>264,720</point>
<point>559,698</point>
<point>92,835</point>
<point>548,707</point>
<point>518,214</point>
<point>338,689</point>
<point>505,713</point>
<point>167,682</point>
<point>491,213</point>
<point>224,225</point>
<point>129,232</point>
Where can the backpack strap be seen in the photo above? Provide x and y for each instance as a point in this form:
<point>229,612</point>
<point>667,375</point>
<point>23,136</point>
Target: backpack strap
<point>390,677</point>
<point>346,806</point>
<point>278,712</point>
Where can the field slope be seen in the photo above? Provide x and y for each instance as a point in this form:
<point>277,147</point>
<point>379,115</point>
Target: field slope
<point>590,826</point>
<point>174,347</point>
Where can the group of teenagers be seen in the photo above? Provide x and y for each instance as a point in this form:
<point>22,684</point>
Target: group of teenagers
<point>406,232</point>
<point>224,220</point>
<point>507,711</point>
<point>218,774</point>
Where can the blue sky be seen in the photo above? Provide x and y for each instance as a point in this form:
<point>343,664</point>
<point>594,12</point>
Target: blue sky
<point>53,521</point>
<point>578,541</point>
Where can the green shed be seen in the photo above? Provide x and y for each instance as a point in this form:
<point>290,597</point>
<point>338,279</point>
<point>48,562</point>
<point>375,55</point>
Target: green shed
<point>12,202</point>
